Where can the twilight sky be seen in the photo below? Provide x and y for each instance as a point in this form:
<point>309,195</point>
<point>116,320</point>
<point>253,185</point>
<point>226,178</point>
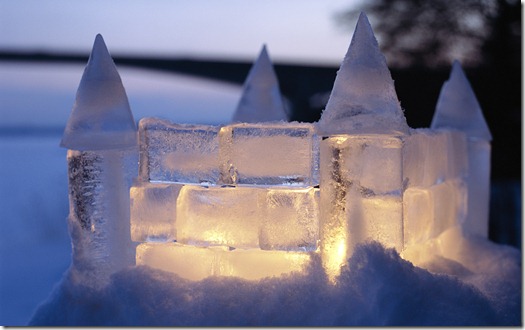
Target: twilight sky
<point>294,30</point>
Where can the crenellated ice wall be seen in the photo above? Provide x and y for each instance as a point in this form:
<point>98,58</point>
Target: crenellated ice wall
<point>261,196</point>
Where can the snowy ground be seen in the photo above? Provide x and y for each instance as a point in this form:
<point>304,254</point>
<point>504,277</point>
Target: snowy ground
<point>376,288</point>
<point>34,242</point>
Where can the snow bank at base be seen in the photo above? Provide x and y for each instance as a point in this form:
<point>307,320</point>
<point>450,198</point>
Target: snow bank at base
<point>376,287</point>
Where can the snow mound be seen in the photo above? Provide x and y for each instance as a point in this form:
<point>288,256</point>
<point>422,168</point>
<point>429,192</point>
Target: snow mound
<point>377,287</point>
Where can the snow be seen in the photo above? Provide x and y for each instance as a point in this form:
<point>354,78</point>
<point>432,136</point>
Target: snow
<point>376,288</point>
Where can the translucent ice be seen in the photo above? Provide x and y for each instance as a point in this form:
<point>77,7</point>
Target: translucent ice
<point>458,107</point>
<point>361,186</point>
<point>101,117</point>
<point>371,163</point>
<point>292,219</point>
<point>248,217</point>
<point>98,220</point>
<point>261,99</point>
<point>363,99</point>
<point>429,211</point>
<point>270,154</point>
<point>197,263</point>
<point>227,216</point>
<point>153,211</point>
<point>478,182</point>
<point>178,152</point>
<point>424,163</point>
<point>379,218</point>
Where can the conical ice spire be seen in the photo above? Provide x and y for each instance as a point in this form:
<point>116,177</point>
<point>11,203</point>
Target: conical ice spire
<point>363,99</point>
<point>458,108</point>
<point>261,99</point>
<point>101,117</point>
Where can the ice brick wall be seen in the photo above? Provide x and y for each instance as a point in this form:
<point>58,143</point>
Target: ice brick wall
<point>435,167</point>
<point>277,153</point>
<point>209,191</point>
<point>178,153</point>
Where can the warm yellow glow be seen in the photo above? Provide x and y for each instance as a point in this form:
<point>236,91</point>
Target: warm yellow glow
<point>197,263</point>
<point>334,254</point>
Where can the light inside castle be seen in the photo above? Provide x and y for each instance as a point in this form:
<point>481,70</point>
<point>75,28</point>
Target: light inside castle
<point>262,196</point>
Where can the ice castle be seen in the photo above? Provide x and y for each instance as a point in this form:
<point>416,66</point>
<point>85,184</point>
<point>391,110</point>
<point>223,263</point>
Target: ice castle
<point>262,196</point>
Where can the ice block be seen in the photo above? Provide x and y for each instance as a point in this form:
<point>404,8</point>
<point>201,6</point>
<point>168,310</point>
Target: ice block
<point>429,211</point>
<point>277,218</point>
<point>179,153</point>
<point>291,221</point>
<point>197,263</point>
<point>229,216</point>
<point>153,211</point>
<point>270,154</point>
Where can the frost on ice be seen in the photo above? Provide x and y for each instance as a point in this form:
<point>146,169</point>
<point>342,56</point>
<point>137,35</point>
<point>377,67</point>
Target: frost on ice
<point>101,117</point>
<point>277,205</point>
<point>261,99</point>
<point>363,99</point>
<point>102,140</point>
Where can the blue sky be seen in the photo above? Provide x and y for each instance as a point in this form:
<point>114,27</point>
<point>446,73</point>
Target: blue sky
<point>294,30</point>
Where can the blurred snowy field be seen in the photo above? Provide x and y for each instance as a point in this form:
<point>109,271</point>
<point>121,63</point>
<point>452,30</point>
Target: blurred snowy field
<point>34,242</point>
<point>35,103</point>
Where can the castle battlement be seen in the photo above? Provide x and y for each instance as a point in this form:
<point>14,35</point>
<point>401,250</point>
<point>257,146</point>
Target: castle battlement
<point>262,196</point>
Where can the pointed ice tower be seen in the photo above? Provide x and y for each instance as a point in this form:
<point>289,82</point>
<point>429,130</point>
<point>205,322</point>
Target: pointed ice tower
<point>457,108</point>
<point>261,99</point>
<point>101,136</point>
<point>361,154</point>
<point>363,99</point>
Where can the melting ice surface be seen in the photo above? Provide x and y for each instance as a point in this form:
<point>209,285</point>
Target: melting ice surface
<point>363,99</point>
<point>101,117</point>
<point>261,99</point>
<point>458,107</point>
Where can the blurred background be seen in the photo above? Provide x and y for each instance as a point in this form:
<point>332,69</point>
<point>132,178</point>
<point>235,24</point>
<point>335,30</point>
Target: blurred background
<point>186,61</point>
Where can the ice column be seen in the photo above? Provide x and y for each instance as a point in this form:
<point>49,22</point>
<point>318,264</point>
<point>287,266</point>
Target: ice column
<point>361,154</point>
<point>261,99</point>
<point>457,108</point>
<point>102,160</point>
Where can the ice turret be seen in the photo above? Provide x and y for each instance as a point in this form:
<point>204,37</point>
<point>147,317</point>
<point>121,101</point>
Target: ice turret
<point>457,108</point>
<point>361,178</point>
<point>261,100</point>
<point>363,99</point>
<point>101,118</point>
<point>102,161</point>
